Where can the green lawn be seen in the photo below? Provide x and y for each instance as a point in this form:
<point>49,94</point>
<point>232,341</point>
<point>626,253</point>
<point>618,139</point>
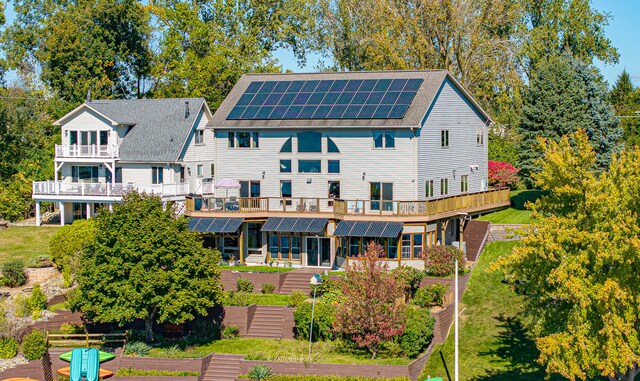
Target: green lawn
<point>268,299</point>
<point>495,342</point>
<point>280,350</point>
<point>517,213</point>
<point>258,269</point>
<point>25,242</point>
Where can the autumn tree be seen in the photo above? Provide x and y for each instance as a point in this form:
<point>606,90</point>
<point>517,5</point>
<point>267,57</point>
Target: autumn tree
<point>578,262</point>
<point>373,308</point>
<point>145,264</point>
<point>565,95</point>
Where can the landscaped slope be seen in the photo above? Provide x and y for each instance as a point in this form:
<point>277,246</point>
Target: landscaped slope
<point>25,242</point>
<point>517,213</point>
<point>495,342</point>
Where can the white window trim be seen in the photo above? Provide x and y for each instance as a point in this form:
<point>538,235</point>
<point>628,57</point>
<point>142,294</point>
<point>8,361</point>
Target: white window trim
<point>195,139</point>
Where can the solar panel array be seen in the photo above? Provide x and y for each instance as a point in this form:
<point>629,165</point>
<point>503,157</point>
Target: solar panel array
<point>294,225</point>
<point>326,99</point>
<point>368,229</point>
<point>215,225</point>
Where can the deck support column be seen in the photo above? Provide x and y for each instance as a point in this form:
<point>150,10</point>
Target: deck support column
<point>241,242</point>
<point>38,222</point>
<point>88,206</point>
<point>61,213</point>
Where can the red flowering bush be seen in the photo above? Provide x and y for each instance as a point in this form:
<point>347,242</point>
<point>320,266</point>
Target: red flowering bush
<point>440,260</point>
<point>502,174</point>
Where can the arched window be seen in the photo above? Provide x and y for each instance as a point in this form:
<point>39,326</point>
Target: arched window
<point>331,146</point>
<point>309,141</point>
<point>286,147</point>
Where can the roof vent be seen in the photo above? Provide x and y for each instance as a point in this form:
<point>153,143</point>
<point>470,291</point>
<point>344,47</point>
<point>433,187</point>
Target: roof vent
<point>186,109</point>
<point>88,96</point>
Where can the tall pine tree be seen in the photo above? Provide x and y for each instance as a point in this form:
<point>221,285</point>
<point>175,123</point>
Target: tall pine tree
<point>625,98</point>
<point>565,95</point>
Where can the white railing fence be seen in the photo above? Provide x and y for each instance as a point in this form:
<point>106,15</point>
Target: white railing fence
<point>106,189</point>
<point>87,151</point>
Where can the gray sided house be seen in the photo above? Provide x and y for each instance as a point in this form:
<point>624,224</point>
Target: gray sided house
<point>327,162</point>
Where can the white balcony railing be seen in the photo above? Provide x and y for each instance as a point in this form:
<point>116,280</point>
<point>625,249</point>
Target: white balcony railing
<point>89,151</point>
<point>46,188</point>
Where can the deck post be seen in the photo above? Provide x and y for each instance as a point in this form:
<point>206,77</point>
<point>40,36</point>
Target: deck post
<point>88,206</point>
<point>61,213</point>
<point>241,242</point>
<point>38,213</point>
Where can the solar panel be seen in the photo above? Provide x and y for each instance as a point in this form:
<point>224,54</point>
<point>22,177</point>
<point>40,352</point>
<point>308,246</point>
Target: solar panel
<point>326,99</point>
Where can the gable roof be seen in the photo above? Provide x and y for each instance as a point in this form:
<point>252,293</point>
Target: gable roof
<point>159,127</point>
<point>413,118</point>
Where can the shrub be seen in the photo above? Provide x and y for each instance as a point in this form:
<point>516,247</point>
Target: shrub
<point>440,260</point>
<point>133,372</point>
<point>230,331</point>
<point>67,244</point>
<point>13,271</point>
<point>418,332</point>
<point>40,261</point>
<point>34,345</point>
<point>410,277</point>
<point>136,348</point>
<point>8,348</point>
<point>430,296</point>
<point>240,298</point>
<point>172,351</point>
<point>70,328</point>
<point>296,298</point>
<point>37,301</point>
<point>267,288</point>
<point>21,305</point>
<point>244,285</point>
<point>260,373</point>
<point>323,319</point>
<point>502,174</point>
<point>3,281</point>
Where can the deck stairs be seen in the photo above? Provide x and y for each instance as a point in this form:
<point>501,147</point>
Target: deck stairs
<point>267,322</point>
<point>223,368</point>
<point>476,234</point>
<point>297,280</point>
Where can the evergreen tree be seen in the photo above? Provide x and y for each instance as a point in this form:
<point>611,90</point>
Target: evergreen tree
<point>625,98</point>
<point>565,95</point>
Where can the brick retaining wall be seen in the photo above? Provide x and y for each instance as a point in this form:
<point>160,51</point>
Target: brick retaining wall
<point>295,368</point>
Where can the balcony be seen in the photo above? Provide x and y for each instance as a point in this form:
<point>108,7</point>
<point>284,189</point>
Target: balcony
<point>265,206</point>
<point>59,188</point>
<point>64,151</point>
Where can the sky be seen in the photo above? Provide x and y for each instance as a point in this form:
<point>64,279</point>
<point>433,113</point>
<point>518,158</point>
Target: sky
<point>623,30</point>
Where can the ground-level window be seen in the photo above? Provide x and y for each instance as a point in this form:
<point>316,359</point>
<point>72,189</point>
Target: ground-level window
<point>429,188</point>
<point>254,238</point>
<point>355,246</point>
<point>79,211</point>
<point>464,183</point>
<point>249,188</point>
<point>444,187</point>
<point>284,246</point>
<point>156,175</point>
<point>412,245</point>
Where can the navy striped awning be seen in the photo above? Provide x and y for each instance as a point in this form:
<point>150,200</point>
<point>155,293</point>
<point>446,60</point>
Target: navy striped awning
<point>214,225</point>
<point>294,225</point>
<point>368,229</point>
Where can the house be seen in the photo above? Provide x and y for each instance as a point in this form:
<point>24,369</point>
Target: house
<point>327,162</point>
<point>157,146</point>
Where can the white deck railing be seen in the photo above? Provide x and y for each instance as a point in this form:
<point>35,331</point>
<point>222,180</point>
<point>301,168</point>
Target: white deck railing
<point>45,188</point>
<point>88,151</point>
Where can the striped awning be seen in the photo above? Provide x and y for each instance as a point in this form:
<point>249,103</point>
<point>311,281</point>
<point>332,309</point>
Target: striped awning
<point>295,225</point>
<point>368,229</point>
<point>214,225</point>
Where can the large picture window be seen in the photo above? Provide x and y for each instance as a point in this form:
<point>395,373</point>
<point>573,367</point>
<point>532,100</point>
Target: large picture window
<point>309,141</point>
<point>354,246</point>
<point>381,196</point>
<point>309,166</point>
<point>84,173</point>
<point>284,246</point>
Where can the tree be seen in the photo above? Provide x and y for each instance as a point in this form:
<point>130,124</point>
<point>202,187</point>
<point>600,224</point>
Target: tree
<point>502,174</point>
<point>578,262</point>
<point>145,264</point>
<point>566,95</point>
<point>373,308</point>
<point>67,245</point>
<point>625,99</point>
<point>503,147</point>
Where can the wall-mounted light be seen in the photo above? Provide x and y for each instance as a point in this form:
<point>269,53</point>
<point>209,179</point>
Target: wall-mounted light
<point>309,180</point>
<point>454,173</point>
<point>189,171</point>
<point>364,174</point>
<point>66,133</point>
<point>263,173</point>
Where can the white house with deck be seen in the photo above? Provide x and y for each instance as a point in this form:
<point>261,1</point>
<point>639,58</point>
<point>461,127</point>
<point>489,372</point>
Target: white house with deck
<point>157,146</point>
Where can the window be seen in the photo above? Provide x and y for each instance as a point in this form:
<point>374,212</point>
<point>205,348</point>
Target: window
<point>480,137</point>
<point>84,173</point>
<point>334,166</point>
<point>156,175</point>
<point>254,238</point>
<point>417,245</point>
<point>444,187</point>
<point>429,188</point>
<point>287,146</point>
<point>250,189</point>
<point>285,166</point>
<point>243,139</point>
<point>104,136</point>
<point>406,246</point>
<point>309,141</point>
<point>381,192</point>
<point>199,136</point>
<point>213,170</point>
<point>309,166</point>
<point>444,138</point>
<point>284,246</point>
<point>412,245</point>
<point>464,183</point>
<point>285,188</point>
<point>331,146</point>
<point>334,189</point>
<point>73,137</point>
<point>200,170</point>
<point>384,139</point>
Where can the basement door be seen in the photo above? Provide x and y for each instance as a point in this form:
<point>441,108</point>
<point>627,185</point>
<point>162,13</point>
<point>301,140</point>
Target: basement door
<point>319,251</point>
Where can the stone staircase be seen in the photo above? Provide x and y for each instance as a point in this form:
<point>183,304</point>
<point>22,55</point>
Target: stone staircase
<point>475,235</point>
<point>297,280</point>
<point>255,260</point>
<point>222,368</point>
<point>267,322</point>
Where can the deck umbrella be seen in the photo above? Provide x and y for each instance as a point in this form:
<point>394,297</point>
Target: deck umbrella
<point>227,184</point>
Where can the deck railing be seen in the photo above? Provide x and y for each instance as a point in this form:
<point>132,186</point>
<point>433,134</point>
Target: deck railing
<point>60,188</point>
<point>87,151</point>
<point>348,207</point>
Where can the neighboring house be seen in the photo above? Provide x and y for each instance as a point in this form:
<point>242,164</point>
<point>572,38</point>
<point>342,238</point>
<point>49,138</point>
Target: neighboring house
<point>329,162</point>
<point>157,146</point>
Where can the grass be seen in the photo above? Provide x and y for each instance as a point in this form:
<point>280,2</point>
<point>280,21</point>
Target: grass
<point>25,243</point>
<point>258,269</point>
<point>495,341</point>
<point>133,372</point>
<point>268,299</point>
<point>517,213</point>
<point>62,306</point>
<point>287,350</point>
